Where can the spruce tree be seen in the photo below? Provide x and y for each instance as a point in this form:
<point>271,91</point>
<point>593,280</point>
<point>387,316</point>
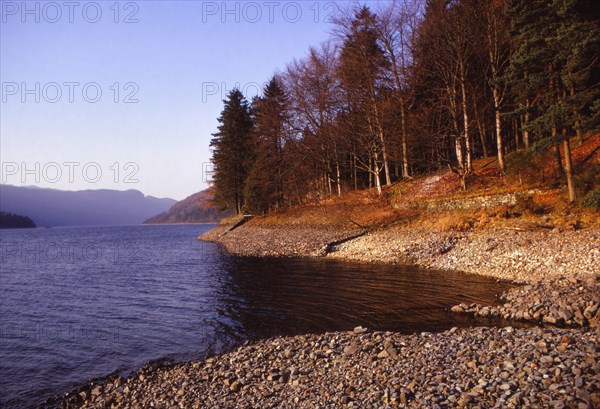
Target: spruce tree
<point>264,188</point>
<point>554,72</point>
<point>233,152</point>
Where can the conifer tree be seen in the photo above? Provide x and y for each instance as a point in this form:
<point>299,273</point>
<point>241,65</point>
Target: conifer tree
<point>264,185</point>
<point>554,72</point>
<point>233,152</point>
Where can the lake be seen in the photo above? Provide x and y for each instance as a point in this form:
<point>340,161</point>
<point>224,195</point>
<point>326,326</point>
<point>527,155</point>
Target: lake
<point>80,303</point>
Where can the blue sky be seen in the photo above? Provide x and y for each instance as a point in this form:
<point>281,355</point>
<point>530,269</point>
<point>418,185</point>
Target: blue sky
<point>162,76</point>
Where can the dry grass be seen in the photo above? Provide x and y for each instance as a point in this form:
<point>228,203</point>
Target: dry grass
<point>549,208</point>
<point>231,219</point>
<point>454,222</point>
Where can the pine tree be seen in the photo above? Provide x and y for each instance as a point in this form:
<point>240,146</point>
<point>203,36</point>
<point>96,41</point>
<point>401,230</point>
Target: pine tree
<point>577,46</point>
<point>233,152</point>
<point>264,185</point>
<point>554,72</point>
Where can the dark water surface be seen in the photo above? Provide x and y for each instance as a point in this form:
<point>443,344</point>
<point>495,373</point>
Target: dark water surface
<point>80,303</point>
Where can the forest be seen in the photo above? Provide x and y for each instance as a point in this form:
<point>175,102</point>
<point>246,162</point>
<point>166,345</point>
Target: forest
<point>15,221</point>
<point>412,87</point>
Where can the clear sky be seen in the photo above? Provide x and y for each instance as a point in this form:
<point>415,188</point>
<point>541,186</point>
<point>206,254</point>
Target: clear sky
<point>125,95</point>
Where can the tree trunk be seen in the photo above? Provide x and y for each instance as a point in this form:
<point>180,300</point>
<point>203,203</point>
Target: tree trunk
<point>454,114</point>
<point>371,172</point>
<point>526,132</point>
<point>559,164</point>
<point>480,128</point>
<point>377,176</point>
<point>459,153</point>
<point>463,89</point>
<point>386,166</point>
<point>404,136</point>
<point>499,141</point>
<point>338,178</point>
<point>381,135</point>
<point>354,172</point>
<point>577,118</point>
<point>569,169</point>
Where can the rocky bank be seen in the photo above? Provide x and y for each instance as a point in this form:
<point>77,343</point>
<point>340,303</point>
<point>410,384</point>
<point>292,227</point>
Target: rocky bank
<point>473,368</point>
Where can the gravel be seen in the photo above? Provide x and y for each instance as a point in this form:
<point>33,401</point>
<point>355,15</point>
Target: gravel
<point>279,241</point>
<point>474,368</point>
<point>523,256</point>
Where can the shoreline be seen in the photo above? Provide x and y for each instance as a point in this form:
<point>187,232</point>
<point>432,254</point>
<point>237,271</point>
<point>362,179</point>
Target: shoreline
<point>558,269</point>
<point>519,255</point>
<point>503,367</point>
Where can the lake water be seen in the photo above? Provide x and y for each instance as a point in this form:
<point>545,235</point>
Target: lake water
<point>80,303</point>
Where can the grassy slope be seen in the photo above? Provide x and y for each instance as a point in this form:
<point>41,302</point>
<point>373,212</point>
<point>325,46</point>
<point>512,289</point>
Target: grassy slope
<point>402,203</point>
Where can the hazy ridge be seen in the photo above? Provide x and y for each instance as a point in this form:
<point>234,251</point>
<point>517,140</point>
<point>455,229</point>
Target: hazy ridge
<point>52,207</point>
<point>196,208</point>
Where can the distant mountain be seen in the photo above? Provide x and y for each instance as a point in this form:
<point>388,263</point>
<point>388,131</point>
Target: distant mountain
<point>197,208</point>
<point>52,207</point>
<point>15,221</point>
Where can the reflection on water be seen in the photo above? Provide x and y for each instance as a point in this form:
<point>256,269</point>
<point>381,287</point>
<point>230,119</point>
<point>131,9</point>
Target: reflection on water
<point>79,303</point>
<point>292,296</point>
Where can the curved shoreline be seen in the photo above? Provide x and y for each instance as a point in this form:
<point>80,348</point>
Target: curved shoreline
<point>489,367</point>
<point>560,268</point>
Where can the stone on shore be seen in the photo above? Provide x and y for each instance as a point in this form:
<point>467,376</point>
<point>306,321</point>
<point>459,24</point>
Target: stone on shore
<point>478,367</point>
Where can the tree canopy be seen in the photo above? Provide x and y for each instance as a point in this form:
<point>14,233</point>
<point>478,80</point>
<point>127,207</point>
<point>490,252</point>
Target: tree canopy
<point>409,88</point>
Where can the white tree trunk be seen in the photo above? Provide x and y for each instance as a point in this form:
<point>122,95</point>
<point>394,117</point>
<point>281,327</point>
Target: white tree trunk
<point>463,89</point>
<point>499,142</point>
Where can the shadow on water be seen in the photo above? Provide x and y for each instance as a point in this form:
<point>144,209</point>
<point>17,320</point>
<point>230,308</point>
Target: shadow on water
<point>275,296</point>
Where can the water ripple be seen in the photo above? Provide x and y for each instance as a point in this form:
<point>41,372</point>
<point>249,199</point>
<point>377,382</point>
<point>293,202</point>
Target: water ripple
<point>80,303</point>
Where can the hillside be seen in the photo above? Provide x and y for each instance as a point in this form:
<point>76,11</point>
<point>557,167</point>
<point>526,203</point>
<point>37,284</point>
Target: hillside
<point>196,208</point>
<point>518,199</point>
<point>51,207</point>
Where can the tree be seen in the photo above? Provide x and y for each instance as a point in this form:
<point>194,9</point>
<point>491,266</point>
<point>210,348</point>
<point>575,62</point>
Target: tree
<point>264,184</point>
<point>412,88</point>
<point>361,70</point>
<point>233,151</point>
<point>15,221</point>
<point>396,28</point>
<point>446,43</point>
<point>496,25</point>
<point>555,68</point>
<point>577,54</point>
<point>526,74</point>
<point>315,100</point>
